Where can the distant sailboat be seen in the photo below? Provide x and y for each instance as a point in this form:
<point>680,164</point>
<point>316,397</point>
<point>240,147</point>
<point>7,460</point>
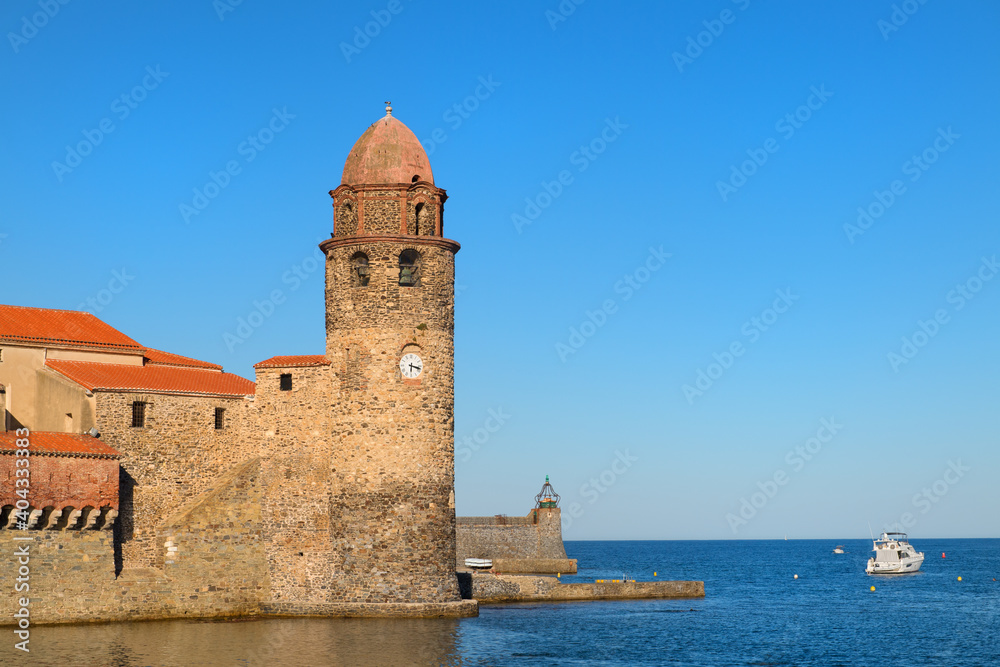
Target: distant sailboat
<point>786,537</point>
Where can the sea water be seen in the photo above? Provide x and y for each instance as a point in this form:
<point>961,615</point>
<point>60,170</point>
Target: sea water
<point>755,612</point>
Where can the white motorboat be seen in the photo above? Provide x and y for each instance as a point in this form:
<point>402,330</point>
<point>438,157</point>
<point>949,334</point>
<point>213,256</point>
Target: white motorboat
<point>894,555</point>
<point>478,563</point>
<point>839,549</point>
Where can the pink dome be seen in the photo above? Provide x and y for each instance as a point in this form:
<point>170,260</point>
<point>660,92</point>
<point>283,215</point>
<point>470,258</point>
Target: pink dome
<point>387,153</point>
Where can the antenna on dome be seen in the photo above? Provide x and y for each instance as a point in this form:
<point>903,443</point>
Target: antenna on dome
<point>388,108</point>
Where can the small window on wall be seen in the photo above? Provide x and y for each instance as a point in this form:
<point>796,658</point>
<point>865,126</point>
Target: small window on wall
<point>220,418</point>
<point>286,382</point>
<point>1,354</point>
<point>409,265</point>
<point>139,414</point>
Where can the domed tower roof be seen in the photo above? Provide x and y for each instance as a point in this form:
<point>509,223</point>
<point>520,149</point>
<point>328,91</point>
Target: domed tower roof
<point>387,153</point>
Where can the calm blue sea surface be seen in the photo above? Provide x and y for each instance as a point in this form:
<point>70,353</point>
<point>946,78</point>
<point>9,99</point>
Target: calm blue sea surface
<point>755,613</point>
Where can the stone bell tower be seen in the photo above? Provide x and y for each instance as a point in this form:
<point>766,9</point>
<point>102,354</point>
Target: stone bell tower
<point>390,298</point>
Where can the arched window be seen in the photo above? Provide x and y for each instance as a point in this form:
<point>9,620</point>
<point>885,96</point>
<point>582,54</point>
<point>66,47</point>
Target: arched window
<point>409,267</point>
<point>418,211</point>
<point>359,270</point>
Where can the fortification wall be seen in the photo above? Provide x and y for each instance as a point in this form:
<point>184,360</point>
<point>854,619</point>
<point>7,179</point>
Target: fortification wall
<point>211,549</point>
<point>495,540</point>
<point>70,575</point>
<point>537,536</point>
<point>176,456</point>
<point>295,480</point>
<point>211,564</point>
<point>550,541</point>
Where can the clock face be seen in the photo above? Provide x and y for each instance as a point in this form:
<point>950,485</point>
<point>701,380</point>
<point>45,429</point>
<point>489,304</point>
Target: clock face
<point>411,366</point>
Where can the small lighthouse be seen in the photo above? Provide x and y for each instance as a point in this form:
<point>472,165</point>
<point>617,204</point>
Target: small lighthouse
<point>547,498</point>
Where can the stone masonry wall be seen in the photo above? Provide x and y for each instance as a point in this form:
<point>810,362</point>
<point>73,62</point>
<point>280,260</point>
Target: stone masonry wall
<point>538,537</point>
<point>393,438</point>
<point>381,213</point>
<point>174,457</point>
<point>346,217</point>
<point>217,566</point>
<point>380,210</point>
<point>212,549</point>
<point>295,479</point>
<point>71,579</point>
<point>550,540</point>
<point>423,212</point>
<point>71,575</point>
<point>489,589</point>
<point>384,304</point>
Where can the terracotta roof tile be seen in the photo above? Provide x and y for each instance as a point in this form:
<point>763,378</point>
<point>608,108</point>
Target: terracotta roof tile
<point>152,377</point>
<point>294,361</point>
<point>59,444</point>
<point>61,327</point>
<point>162,358</point>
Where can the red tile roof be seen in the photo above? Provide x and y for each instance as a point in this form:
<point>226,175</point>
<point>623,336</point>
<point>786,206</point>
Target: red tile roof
<point>62,328</point>
<point>293,361</point>
<point>58,444</point>
<point>162,358</point>
<point>152,377</point>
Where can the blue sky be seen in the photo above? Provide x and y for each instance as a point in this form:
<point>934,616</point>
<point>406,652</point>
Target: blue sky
<point>739,138</point>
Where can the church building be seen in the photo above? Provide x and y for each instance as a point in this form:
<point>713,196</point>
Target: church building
<point>174,489</point>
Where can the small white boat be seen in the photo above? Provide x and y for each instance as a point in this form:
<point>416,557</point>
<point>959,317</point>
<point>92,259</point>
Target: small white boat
<point>839,549</point>
<point>478,563</point>
<point>894,555</point>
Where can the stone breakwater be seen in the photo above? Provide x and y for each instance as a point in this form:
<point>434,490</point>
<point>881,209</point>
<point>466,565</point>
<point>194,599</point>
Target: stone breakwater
<point>490,588</point>
<point>534,565</point>
<point>461,608</point>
